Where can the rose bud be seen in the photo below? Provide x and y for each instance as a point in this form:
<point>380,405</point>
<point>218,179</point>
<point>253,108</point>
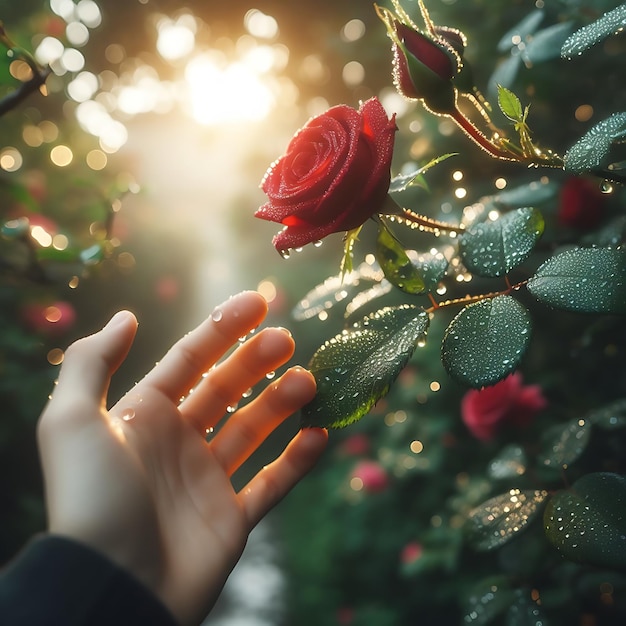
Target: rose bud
<point>334,176</point>
<point>424,65</point>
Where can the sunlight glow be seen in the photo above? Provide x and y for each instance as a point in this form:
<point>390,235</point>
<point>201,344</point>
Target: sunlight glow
<point>176,39</point>
<point>229,94</point>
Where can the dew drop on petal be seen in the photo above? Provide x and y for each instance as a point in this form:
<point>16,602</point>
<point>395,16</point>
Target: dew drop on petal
<point>217,315</point>
<point>128,414</point>
<point>270,375</point>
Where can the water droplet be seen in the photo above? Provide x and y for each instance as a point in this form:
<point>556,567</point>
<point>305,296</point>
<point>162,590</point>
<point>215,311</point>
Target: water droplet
<point>209,431</point>
<point>606,187</point>
<point>128,414</point>
<point>231,408</point>
<point>217,315</point>
<point>241,339</point>
<point>270,375</point>
<point>285,254</point>
<point>317,244</point>
<point>247,393</point>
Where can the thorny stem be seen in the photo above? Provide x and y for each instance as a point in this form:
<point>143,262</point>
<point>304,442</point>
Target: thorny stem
<point>425,223</point>
<point>479,138</point>
<point>471,299</point>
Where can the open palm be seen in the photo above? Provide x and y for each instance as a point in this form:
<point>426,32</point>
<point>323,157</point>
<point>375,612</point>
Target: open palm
<point>141,484</point>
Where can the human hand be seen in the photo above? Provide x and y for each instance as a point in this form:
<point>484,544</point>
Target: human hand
<point>140,483</point>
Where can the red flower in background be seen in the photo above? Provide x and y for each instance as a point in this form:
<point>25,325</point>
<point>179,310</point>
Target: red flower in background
<point>49,318</point>
<point>373,476</point>
<point>334,176</point>
<point>509,402</point>
<point>581,204</point>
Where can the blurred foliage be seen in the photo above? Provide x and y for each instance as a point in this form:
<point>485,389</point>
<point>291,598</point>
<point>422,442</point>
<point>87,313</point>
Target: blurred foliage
<point>525,527</point>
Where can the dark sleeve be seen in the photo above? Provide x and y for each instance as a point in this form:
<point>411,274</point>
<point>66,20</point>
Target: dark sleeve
<point>57,581</point>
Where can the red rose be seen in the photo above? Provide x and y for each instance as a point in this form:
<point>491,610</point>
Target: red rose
<point>334,176</point>
<point>485,410</point>
<point>581,204</point>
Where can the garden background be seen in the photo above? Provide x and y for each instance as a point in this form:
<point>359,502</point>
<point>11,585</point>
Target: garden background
<point>138,174</point>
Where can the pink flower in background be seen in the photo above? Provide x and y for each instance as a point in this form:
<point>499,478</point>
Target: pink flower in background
<point>355,445</point>
<point>373,476</point>
<point>49,318</point>
<point>411,552</point>
<point>509,402</point>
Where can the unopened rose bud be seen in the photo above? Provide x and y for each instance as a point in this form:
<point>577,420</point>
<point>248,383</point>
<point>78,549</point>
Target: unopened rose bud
<point>424,68</point>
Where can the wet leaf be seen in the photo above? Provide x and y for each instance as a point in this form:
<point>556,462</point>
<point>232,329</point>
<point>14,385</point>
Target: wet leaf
<point>396,264</point>
<point>533,193</point>
<point>590,280</point>
<point>510,463</point>
<point>401,182</point>
<point>587,523</point>
<point>494,248</point>
<point>610,417</point>
<point>432,268</point>
<point>591,153</point>
<point>594,33</point>
<point>565,444</point>
<point>490,599</point>
<point>486,341</point>
<point>356,368</point>
<point>546,44</point>
<point>500,519</point>
<point>334,290</point>
<point>522,30</point>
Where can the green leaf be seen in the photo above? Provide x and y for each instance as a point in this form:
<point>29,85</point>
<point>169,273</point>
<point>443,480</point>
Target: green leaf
<point>522,30</point>
<point>486,341</point>
<point>546,44</point>
<point>357,367</point>
<point>402,182</point>
<point>594,33</point>
<point>533,193</point>
<point>432,268</point>
<point>489,599</point>
<point>587,523</point>
<point>565,444</point>
<point>591,153</point>
<point>610,417</point>
<point>334,290</point>
<point>396,264</point>
<point>510,463</point>
<point>494,248</point>
<point>352,236</point>
<point>510,104</point>
<point>590,280</point>
<point>499,519</point>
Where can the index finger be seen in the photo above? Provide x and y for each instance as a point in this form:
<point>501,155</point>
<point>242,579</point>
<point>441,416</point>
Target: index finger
<point>191,356</point>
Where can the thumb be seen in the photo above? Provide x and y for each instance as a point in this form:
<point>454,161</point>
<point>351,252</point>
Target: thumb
<point>90,362</point>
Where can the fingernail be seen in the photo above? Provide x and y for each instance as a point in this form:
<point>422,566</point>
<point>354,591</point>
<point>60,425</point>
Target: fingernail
<point>117,319</point>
